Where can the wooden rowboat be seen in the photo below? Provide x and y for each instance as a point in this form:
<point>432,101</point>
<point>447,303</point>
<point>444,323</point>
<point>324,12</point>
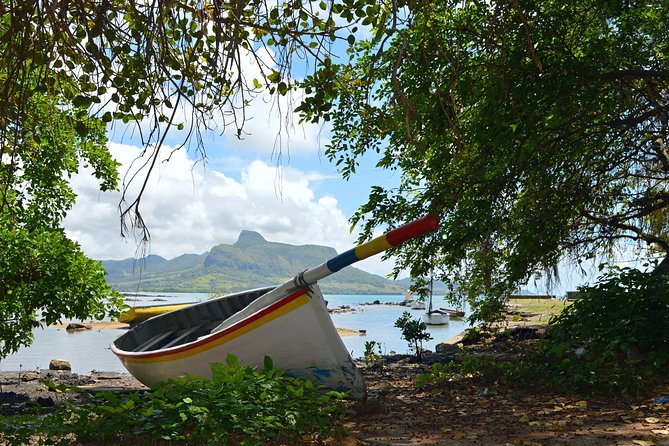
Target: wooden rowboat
<point>454,314</point>
<point>135,315</point>
<point>289,323</point>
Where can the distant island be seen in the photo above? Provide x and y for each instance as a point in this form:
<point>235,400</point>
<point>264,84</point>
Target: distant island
<point>249,263</point>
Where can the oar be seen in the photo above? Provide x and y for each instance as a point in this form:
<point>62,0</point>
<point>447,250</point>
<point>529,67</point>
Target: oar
<point>396,237</point>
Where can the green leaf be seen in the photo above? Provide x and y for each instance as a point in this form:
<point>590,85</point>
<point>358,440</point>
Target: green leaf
<point>268,363</point>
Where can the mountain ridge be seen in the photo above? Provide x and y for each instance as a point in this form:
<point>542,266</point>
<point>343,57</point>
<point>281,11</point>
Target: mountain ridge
<point>250,262</point>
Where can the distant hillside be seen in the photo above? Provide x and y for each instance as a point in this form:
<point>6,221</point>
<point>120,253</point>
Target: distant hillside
<point>251,262</point>
<point>439,287</point>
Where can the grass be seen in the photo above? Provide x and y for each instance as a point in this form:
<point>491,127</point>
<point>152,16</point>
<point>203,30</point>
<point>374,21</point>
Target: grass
<point>544,307</point>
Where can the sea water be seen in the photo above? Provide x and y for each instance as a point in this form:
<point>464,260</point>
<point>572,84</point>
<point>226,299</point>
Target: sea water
<point>89,350</point>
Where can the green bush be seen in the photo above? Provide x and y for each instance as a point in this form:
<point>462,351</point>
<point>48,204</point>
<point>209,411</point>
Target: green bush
<point>414,332</point>
<point>625,315</point>
<point>614,339</point>
<point>239,405</point>
<point>615,335</point>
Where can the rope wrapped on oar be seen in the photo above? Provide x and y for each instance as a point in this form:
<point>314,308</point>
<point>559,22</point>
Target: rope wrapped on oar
<point>396,237</point>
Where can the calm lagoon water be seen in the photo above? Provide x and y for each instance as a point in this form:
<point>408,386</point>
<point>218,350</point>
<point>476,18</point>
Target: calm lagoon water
<point>89,350</point>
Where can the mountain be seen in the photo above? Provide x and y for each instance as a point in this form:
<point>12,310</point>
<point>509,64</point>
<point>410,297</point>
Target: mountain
<point>249,263</point>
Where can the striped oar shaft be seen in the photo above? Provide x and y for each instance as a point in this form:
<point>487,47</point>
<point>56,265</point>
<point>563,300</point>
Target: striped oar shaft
<point>388,240</point>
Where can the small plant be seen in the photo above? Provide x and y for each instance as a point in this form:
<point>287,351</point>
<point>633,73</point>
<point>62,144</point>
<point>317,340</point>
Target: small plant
<point>438,375</point>
<point>414,332</point>
<point>372,353</point>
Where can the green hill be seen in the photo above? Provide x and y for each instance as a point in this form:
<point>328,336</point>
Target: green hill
<point>250,263</point>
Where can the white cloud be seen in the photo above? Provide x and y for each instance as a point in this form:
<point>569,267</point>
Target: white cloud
<point>190,208</point>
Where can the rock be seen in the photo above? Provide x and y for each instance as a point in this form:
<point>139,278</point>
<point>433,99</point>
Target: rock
<point>446,349</point>
<point>30,376</point>
<point>45,401</point>
<point>523,333</point>
<point>366,406</point>
<point>73,326</point>
<point>59,364</point>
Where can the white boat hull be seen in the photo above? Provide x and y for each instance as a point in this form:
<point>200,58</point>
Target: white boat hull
<point>295,331</point>
<point>436,318</point>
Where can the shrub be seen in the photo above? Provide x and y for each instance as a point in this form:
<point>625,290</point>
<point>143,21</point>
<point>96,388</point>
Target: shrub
<point>414,332</point>
<point>616,333</point>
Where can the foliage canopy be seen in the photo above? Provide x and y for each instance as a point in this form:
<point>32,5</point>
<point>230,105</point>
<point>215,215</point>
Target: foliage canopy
<point>43,274</point>
<point>535,130</point>
<point>162,66</point>
<point>72,69</point>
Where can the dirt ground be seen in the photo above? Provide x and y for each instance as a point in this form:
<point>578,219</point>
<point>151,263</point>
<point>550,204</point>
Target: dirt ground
<point>468,415</point>
<point>464,413</point>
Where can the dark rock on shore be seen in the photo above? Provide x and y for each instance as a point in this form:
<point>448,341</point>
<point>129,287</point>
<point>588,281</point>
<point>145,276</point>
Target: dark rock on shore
<point>31,392</point>
<point>73,326</point>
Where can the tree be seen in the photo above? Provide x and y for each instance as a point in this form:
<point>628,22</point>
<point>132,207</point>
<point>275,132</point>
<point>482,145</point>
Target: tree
<point>166,66</point>
<point>537,131</point>
<point>43,274</point>
<point>70,69</point>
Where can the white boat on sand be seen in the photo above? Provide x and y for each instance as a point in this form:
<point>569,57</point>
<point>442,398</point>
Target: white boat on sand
<point>289,323</point>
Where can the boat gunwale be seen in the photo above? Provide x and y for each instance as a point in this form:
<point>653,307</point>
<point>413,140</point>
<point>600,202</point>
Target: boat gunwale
<point>144,307</point>
<point>211,337</point>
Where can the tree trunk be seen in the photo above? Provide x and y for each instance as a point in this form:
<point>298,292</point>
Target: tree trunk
<point>662,268</point>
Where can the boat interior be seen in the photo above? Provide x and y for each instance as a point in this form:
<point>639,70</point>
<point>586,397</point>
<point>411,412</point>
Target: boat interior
<point>187,324</point>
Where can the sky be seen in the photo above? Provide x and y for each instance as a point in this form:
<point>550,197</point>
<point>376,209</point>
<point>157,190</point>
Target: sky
<point>191,206</point>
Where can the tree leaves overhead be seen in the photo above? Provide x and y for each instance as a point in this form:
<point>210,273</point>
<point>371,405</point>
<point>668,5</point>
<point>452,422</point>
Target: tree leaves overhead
<point>161,64</point>
<point>72,69</point>
<point>43,274</point>
<point>534,129</point>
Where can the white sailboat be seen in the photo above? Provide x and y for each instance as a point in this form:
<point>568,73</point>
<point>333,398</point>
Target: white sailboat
<point>435,317</point>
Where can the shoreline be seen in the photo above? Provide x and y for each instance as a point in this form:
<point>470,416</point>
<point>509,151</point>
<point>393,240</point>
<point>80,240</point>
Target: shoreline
<point>115,325</point>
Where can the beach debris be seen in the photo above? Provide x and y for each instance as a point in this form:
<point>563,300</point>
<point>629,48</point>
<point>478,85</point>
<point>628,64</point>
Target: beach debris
<point>59,364</point>
<point>661,399</point>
